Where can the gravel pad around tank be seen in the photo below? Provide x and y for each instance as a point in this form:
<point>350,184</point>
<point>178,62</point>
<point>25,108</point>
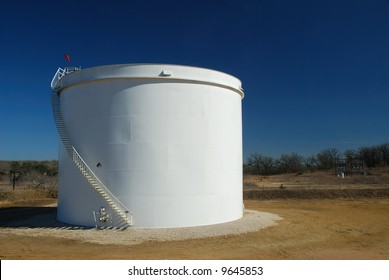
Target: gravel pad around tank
<point>46,225</point>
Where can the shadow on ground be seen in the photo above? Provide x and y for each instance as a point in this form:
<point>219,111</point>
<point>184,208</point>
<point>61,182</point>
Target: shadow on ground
<point>32,217</point>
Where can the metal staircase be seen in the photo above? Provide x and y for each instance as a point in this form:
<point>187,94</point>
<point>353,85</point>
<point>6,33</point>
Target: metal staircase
<point>123,216</point>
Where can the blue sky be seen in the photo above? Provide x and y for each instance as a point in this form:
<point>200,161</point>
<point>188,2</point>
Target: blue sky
<point>315,73</point>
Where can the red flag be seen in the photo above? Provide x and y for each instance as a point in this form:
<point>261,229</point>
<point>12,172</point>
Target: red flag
<point>67,57</point>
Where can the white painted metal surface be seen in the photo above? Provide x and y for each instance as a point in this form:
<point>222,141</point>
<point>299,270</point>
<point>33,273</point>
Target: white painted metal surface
<point>165,139</point>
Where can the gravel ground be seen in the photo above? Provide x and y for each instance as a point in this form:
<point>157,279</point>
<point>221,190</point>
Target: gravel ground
<point>46,225</point>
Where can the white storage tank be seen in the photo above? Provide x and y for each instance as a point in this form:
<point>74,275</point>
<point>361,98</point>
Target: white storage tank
<point>148,145</point>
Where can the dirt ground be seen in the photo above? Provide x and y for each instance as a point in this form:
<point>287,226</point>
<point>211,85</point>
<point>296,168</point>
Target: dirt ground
<point>310,229</point>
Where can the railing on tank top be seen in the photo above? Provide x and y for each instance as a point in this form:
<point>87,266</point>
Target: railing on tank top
<point>55,82</point>
<point>81,164</point>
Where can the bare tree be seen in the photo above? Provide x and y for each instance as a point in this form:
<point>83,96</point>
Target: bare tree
<point>384,150</point>
<point>328,157</point>
<point>15,173</point>
<point>370,155</point>
<point>290,163</point>
<point>350,155</point>
<point>312,162</point>
<point>262,164</point>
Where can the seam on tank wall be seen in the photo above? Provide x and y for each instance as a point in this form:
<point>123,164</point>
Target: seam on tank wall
<point>241,93</point>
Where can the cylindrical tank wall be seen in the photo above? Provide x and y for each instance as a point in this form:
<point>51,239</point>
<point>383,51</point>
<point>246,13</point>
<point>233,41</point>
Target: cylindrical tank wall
<point>170,147</point>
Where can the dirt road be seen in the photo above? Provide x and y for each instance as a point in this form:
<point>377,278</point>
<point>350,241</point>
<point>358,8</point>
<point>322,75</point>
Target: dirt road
<point>310,229</point>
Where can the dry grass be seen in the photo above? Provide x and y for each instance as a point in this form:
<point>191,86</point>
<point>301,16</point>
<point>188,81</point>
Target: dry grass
<point>26,196</point>
<point>375,178</point>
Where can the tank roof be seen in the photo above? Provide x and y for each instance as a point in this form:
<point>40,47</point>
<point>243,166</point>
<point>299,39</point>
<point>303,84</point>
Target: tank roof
<point>185,74</point>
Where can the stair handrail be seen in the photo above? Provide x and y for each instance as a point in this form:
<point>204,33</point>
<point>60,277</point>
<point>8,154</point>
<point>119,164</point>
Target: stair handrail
<point>120,208</point>
<point>76,156</point>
